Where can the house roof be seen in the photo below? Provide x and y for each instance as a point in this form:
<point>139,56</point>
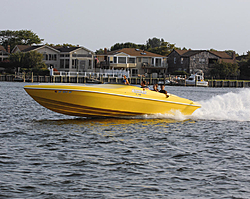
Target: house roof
<point>180,52</point>
<point>231,61</point>
<point>190,53</point>
<point>30,48</point>
<point>134,52</point>
<point>2,48</point>
<point>70,49</point>
<point>26,48</point>
<point>3,51</point>
<point>221,54</point>
<point>20,47</point>
<point>66,49</point>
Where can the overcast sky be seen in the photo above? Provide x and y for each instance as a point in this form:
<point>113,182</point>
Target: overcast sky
<point>95,24</point>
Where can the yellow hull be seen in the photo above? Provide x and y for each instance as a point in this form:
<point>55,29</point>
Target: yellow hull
<point>107,100</point>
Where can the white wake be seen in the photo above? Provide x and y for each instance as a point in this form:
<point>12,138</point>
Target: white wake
<point>230,106</point>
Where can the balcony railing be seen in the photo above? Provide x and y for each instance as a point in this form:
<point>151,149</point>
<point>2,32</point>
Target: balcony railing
<point>147,65</point>
<point>102,72</point>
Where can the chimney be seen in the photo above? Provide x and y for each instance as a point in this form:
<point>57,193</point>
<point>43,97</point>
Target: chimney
<point>105,51</point>
<point>233,56</point>
<point>8,50</point>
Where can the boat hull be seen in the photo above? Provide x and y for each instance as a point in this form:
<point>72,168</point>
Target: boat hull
<point>198,83</point>
<point>107,100</point>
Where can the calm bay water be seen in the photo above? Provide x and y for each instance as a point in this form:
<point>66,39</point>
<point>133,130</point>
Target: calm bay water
<point>48,155</point>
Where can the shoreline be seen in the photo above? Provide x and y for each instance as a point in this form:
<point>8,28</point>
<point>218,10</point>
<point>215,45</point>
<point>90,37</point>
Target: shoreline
<point>132,80</point>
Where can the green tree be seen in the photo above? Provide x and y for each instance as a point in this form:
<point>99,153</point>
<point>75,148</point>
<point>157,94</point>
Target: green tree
<point>28,62</point>
<point>154,42</point>
<point>16,60</point>
<point>119,46</point>
<point>65,45</point>
<point>245,67</point>
<point>165,49</point>
<point>18,37</point>
<point>154,45</point>
<point>100,51</point>
<point>33,60</point>
<point>224,70</point>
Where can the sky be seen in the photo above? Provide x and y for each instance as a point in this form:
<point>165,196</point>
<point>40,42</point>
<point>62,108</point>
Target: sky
<point>95,24</point>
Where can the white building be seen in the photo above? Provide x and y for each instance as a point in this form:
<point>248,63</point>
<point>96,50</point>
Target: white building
<point>69,59</point>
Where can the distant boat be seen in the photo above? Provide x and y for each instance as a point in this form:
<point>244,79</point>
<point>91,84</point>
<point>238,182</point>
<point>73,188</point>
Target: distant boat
<point>167,82</point>
<point>196,79</point>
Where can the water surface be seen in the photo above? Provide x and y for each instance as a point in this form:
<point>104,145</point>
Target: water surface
<point>48,155</point>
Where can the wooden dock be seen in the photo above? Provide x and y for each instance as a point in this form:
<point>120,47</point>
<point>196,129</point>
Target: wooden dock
<point>111,79</point>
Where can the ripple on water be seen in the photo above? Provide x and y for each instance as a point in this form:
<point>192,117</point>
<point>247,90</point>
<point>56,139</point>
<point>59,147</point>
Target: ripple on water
<point>47,155</point>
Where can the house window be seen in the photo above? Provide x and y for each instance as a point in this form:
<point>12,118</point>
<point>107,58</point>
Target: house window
<point>122,60</point>
<point>145,60</point>
<point>131,60</point>
<point>202,61</point>
<point>66,63</point>
<point>157,62</point>
<point>61,55</point>
<point>152,61</point>
<point>82,64</point>
<point>74,63</point>
<point>134,72</point>
<point>181,60</point>
<point>139,59</point>
<point>115,60</point>
<point>174,60</point>
<point>61,63</point>
<point>90,65</point>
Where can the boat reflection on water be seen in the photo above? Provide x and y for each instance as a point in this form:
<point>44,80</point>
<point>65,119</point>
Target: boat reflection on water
<point>109,122</point>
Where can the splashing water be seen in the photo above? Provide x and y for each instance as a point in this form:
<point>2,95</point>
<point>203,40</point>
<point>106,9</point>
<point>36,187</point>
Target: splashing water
<point>176,115</point>
<point>230,106</point>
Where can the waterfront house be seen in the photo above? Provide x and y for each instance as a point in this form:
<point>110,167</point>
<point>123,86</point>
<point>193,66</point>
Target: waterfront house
<point>192,60</point>
<point>3,53</point>
<point>68,59</point>
<point>134,60</point>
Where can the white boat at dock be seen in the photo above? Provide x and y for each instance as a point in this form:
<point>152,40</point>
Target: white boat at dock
<point>196,79</point>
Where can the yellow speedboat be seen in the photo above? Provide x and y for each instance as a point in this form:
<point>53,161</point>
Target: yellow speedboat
<point>107,100</point>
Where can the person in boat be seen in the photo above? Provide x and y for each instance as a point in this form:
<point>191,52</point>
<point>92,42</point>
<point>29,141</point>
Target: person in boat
<point>155,88</point>
<point>163,90</point>
<point>144,84</point>
<point>125,81</point>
